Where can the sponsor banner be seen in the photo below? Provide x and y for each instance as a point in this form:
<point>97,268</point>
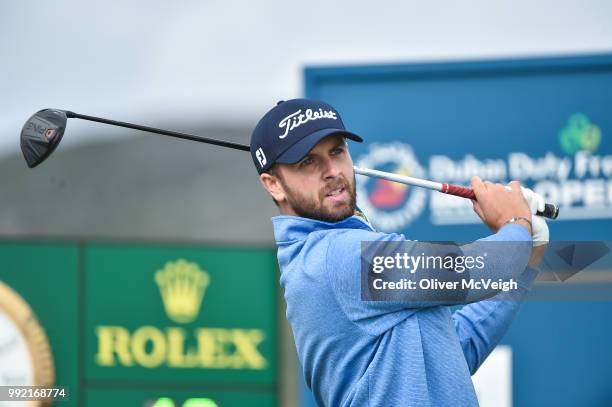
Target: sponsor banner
<point>160,324</point>
<point>546,123</point>
<point>180,314</point>
<point>578,181</point>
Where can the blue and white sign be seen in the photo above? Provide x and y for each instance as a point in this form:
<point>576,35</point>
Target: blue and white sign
<point>544,122</point>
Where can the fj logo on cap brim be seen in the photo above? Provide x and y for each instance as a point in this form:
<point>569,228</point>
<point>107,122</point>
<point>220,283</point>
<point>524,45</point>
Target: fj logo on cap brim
<point>261,157</point>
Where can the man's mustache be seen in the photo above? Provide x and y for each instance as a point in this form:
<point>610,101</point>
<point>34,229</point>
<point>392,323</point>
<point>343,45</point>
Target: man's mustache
<point>340,182</point>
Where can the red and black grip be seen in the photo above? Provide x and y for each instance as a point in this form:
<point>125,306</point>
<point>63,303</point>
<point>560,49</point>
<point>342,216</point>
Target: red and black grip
<point>550,211</point>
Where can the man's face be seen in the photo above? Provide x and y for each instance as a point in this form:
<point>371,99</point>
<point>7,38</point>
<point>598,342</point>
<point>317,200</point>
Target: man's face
<point>322,185</point>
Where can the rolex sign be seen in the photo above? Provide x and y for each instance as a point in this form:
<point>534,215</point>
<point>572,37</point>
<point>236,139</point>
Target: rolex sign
<point>180,314</point>
<point>140,325</point>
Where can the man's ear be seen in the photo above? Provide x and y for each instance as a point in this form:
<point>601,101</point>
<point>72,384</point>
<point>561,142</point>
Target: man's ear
<point>273,185</point>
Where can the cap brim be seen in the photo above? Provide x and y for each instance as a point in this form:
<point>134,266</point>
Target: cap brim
<point>299,150</point>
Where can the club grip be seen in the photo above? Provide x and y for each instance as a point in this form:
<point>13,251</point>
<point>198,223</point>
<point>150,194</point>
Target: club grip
<point>456,190</point>
<point>550,211</point>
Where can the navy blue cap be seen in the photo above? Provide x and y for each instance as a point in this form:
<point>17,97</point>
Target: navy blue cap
<point>291,129</point>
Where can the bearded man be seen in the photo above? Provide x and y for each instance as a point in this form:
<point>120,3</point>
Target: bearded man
<point>375,353</point>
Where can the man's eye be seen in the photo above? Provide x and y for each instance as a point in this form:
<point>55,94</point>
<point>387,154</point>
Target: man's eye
<point>337,150</point>
<point>306,161</point>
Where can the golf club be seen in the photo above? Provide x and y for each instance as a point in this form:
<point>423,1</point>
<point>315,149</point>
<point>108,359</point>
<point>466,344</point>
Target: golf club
<point>44,130</point>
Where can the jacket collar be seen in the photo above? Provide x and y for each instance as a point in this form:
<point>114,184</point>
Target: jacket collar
<point>295,228</point>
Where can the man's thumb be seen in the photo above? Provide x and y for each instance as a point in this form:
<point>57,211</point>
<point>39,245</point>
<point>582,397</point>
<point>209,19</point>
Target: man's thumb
<point>477,185</point>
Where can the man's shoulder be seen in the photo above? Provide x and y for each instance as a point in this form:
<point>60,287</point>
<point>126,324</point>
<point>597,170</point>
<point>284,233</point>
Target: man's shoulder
<point>349,241</point>
<point>315,238</point>
<point>346,235</point>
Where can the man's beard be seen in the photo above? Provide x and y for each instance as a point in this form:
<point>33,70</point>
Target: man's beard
<point>309,208</point>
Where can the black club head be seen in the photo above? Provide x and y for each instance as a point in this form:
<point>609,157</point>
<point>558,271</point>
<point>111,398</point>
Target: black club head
<point>41,134</point>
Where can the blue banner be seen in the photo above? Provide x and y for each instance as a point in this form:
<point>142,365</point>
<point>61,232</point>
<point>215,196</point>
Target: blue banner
<point>544,122</point>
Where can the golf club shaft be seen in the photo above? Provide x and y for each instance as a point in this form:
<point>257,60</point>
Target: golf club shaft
<point>550,211</point>
<point>183,136</point>
<point>436,186</point>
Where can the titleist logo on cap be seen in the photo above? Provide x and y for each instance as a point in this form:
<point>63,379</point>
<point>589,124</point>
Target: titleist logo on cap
<point>298,118</point>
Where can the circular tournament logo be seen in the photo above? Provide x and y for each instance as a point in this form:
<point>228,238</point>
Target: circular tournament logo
<point>390,206</point>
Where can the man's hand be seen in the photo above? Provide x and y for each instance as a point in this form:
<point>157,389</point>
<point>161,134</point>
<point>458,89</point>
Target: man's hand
<point>496,204</point>
<point>534,201</point>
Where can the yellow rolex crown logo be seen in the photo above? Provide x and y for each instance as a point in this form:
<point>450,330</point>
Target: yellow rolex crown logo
<point>182,285</point>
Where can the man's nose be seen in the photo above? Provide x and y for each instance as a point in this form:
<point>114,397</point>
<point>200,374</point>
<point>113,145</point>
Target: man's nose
<point>331,169</point>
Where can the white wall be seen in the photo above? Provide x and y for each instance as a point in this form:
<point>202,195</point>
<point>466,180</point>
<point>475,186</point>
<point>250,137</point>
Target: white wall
<point>227,62</point>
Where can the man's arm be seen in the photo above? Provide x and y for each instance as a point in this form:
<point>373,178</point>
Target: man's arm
<point>343,262</point>
<point>481,325</point>
<point>496,206</point>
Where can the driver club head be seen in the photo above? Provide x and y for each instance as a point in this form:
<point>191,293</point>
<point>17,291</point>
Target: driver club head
<point>41,134</point>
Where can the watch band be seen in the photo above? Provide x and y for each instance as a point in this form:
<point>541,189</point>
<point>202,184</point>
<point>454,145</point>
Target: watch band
<point>517,218</point>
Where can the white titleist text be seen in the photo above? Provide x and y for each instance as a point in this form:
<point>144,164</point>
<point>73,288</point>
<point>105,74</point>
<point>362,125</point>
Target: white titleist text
<point>298,118</point>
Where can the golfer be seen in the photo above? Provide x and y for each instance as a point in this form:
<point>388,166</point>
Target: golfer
<point>373,353</point>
